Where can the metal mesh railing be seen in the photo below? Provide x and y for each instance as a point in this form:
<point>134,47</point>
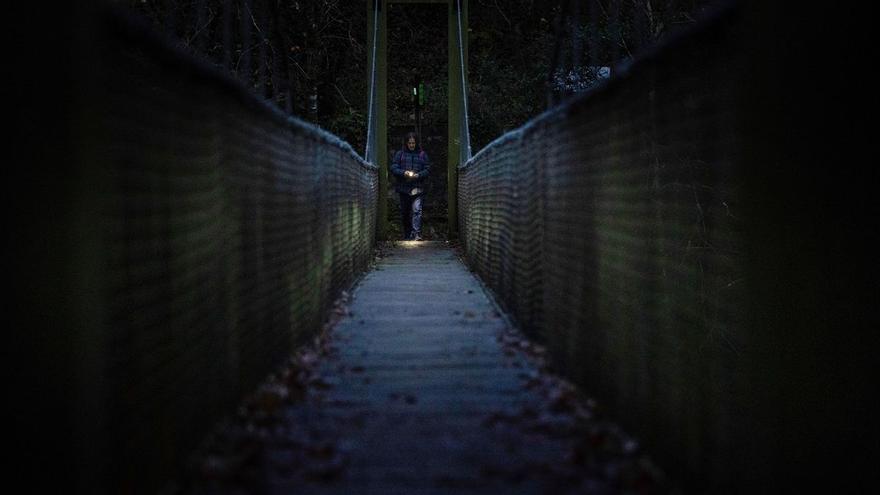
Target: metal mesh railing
<point>610,227</point>
<point>229,229</point>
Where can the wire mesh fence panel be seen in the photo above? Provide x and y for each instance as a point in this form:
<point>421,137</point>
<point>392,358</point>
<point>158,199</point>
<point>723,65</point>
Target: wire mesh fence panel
<point>611,228</point>
<point>229,229</point>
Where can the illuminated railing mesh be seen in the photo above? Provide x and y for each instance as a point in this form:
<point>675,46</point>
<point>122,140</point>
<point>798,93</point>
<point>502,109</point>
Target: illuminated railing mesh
<point>610,228</point>
<point>229,230</point>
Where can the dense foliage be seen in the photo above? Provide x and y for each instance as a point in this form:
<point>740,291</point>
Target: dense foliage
<point>310,56</point>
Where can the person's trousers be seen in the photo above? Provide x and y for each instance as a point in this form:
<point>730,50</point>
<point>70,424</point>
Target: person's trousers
<point>411,214</point>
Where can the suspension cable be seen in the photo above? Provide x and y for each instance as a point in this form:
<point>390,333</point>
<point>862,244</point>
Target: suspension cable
<point>466,133</point>
<point>371,111</point>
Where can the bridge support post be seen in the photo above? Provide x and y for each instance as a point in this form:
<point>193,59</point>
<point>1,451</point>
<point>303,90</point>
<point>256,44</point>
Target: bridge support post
<point>455,111</point>
<point>381,108</point>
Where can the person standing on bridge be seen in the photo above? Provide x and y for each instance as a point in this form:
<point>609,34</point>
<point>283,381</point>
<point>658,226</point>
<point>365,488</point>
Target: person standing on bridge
<point>411,167</point>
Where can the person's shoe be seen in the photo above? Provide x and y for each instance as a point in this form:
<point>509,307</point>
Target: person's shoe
<point>417,237</point>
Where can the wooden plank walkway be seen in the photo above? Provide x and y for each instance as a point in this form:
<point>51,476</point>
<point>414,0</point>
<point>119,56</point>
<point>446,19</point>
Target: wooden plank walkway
<point>424,389</point>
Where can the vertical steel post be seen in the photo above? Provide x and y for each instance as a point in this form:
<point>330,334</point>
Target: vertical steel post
<point>454,126</point>
<point>381,108</point>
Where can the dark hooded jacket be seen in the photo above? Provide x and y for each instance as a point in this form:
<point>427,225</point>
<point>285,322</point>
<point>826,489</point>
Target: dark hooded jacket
<point>418,162</point>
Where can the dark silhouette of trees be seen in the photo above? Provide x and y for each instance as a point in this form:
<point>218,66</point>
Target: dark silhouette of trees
<point>309,56</point>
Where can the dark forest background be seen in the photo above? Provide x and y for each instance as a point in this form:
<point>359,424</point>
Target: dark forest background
<point>309,57</point>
